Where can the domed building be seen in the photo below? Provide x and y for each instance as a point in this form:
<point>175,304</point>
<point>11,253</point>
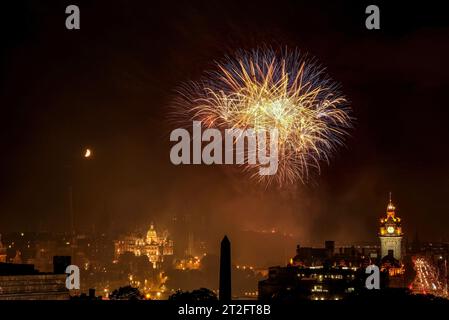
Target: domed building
<point>151,235</point>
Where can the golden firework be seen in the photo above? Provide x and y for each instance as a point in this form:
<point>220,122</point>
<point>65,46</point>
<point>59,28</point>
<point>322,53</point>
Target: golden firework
<point>263,89</point>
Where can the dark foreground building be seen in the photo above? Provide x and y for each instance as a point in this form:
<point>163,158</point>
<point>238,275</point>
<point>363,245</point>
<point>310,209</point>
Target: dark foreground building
<point>313,283</point>
<point>23,282</point>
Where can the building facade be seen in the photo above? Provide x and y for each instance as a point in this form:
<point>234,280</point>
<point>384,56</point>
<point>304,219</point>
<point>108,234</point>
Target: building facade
<point>34,287</point>
<point>310,283</point>
<point>390,233</point>
<point>24,282</point>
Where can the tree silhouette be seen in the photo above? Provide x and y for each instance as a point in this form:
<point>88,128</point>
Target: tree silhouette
<point>202,294</point>
<point>126,293</point>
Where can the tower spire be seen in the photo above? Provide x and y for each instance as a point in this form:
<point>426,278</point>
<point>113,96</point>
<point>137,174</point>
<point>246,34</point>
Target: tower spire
<point>390,206</point>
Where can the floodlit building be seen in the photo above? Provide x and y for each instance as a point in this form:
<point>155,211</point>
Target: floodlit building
<point>155,247</point>
<point>390,233</point>
<point>391,253</point>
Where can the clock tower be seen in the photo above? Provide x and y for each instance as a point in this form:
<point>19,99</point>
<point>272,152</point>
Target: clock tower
<point>390,233</point>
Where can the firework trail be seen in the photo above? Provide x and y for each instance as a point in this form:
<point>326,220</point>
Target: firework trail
<point>262,89</point>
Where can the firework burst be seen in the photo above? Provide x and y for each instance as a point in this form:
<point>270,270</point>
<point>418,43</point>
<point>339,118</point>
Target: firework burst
<point>263,89</point>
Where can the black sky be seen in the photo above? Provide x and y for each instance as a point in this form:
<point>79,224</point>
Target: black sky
<point>108,86</point>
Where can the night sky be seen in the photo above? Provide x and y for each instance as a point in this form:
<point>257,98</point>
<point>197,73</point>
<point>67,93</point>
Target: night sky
<point>108,86</point>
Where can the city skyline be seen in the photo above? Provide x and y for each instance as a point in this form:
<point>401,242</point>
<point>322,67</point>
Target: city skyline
<point>151,266</point>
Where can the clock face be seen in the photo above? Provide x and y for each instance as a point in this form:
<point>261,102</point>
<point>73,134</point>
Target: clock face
<point>390,229</point>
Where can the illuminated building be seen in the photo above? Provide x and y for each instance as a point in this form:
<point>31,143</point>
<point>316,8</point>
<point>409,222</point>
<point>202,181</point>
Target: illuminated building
<point>154,246</point>
<point>390,233</point>
<point>2,251</point>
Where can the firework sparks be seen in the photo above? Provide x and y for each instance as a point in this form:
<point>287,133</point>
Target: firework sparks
<point>263,89</point>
